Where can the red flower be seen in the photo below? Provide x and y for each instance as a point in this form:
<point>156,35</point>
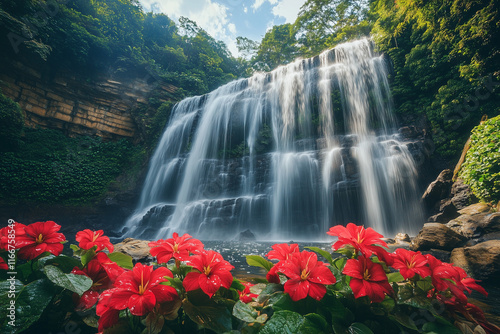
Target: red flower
<point>212,273</point>
<point>246,296</point>
<point>15,230</point>
<point>3,264</point>
<point>367,241</point>
<point>367,279</point>
<point>95,271</point>
<point>40,237</point>
<point>280,252</point>
<point>88,239</point>
<point>306,276</point>
<point>177,247</point>
<point>108,316</point>
<point>112,269</point>
<point>140,290</point>
<point>410,263</point>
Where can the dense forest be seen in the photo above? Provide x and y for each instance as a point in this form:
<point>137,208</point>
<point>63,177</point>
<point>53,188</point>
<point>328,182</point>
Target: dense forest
<point>445,57</point>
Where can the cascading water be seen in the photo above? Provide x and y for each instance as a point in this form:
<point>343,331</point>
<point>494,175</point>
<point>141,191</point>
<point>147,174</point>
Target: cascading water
<point>286,154</point>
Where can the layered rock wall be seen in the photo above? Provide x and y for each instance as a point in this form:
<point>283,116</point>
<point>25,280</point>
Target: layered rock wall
<point>102,107</point>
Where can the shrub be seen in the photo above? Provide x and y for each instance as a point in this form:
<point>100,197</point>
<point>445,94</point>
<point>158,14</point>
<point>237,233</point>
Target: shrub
<point>11,123</point>
<point>481,169</point>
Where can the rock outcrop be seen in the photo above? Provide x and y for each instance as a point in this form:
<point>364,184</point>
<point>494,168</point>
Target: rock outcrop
<point>481,261</point>
<point>78,107</point>
<point>437,236</point>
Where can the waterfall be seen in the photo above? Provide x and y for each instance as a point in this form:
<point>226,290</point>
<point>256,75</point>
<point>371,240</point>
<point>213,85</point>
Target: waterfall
<point>286,154</point>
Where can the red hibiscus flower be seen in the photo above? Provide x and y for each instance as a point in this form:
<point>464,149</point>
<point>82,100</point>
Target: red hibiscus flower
<point>410,263</point>
<point>100,281</point>
<point>40,237</point>
<point>88,239</point>
<point>212,273</point>
<point>306,276</point>
<point>108,316</point>
<point>280,252</point>
<point>3,264</point>
<point>246,296</point>
<point>15,230</point>
<point>140,290</point>
<point>367,279</point>
<point>366,241</point>
<point>177,247</point>
<point>112,269</point>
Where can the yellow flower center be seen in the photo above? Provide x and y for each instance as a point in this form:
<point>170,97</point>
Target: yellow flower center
<point>305,274</point>
<point>366,275</point>
<point>176,248</point>
<point>206,270</point>
<point>39,239</point>
<point>96,235</point>
<point>142,287</point>
<point>360,239</point>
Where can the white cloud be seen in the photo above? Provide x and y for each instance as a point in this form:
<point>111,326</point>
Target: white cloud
<point>245,9</point>
<point>289,9</point>
<point>256,5</point>
<point>211,16</point>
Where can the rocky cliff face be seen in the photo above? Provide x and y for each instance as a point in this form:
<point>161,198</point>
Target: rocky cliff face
<point>101,107</point>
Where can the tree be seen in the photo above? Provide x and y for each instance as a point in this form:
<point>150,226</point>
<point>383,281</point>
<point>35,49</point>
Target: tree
<point>278,47</point>
<point>322,24</point>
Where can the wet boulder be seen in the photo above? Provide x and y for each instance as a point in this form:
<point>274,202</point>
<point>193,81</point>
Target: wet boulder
<point>438,236</point>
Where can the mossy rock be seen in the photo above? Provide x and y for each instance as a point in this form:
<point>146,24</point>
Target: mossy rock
<point>481,169</point>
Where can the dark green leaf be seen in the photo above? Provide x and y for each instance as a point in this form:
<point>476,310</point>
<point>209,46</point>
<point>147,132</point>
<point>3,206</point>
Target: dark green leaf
<point>30,302</point>
<point>217,318</point>
<point>283,322</point>
<point>359,328</point>
<point>72,282</point>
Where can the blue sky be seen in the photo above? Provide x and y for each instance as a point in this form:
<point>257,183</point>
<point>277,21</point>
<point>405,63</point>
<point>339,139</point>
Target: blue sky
<point>226,19</point>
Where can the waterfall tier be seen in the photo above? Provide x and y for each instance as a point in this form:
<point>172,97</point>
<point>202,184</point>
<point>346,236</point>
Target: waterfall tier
<point>286,154</point>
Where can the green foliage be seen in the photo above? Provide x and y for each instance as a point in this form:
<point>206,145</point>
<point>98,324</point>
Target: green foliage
<point>114,36</point>
<point>481,169</point>
<point>444,58</point>
<point>49,167</point>
<point>278,47</point>
<point>322,24</point>
<point>11,123</point>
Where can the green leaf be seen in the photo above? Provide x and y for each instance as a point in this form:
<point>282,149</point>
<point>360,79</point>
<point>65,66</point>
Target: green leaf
<point>216,318</point>
<point>425,285</point>
<point>395,277</point>
<point>63,262</point>
<point>315,322</point>
<point>87,256</point>
<point>403,319</point>
<point>339,263</point>
<point>246,313</point>
<point>72,282</point>
<point>259,261</point>
<point>359,328</point>
<point>30,302</point>
<point>283,322</point>
<point>322,252</point>
<point>123,260</point>
<point>440,326</point>
<point>347,250</point>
